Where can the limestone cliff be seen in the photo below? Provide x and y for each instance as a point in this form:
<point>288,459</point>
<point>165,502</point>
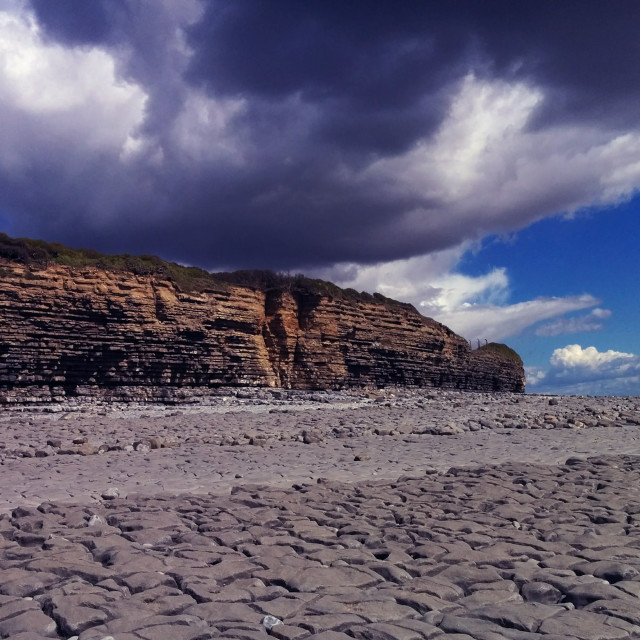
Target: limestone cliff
<point>74,331</point>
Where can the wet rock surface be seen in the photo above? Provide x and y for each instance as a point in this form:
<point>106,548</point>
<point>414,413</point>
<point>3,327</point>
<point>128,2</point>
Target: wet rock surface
<point>494,533</point>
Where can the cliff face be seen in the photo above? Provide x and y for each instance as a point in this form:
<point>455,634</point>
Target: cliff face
<point>85,331</point>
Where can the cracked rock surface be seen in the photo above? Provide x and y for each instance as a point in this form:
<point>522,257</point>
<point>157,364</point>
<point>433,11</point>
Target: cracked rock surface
<point>488,546</point>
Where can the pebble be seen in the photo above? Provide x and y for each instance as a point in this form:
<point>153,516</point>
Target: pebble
<point>268,622</point>
<point>111,493</point>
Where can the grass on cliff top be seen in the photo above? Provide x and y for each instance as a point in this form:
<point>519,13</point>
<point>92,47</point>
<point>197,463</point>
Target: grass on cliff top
<point>37,254</point>
<point>503,350</point>
<point>272,281</point>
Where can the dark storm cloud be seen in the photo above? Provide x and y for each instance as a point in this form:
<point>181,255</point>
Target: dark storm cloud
<point>305,97</point>
<point>369,65</point>
<point>389,55</point>
<point>78,21</point>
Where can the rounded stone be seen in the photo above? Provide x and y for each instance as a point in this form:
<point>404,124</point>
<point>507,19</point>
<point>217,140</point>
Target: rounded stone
<point>541,592</point>
<point>111,493</point>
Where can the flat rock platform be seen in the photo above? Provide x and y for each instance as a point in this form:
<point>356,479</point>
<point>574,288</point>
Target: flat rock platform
<point>396,517</point>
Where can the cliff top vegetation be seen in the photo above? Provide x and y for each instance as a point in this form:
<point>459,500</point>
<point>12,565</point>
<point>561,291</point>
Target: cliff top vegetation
<point>38,254</point>
<point>503,350</point>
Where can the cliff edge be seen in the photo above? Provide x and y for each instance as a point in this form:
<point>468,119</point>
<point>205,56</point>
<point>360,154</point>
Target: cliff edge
<point>123,331</point>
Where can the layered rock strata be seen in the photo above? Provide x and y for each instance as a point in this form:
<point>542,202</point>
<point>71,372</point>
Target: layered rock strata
<point>90,332</point>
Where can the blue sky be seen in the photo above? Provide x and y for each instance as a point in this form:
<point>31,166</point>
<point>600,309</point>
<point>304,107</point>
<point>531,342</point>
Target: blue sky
<point>477,159</point>
<point>592,253</point>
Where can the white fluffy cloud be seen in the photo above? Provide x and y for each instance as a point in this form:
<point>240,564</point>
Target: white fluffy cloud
<point>75,104</point>
<point>575,357</point>
<point>577,370</point>
<point>423,280</point>
<point>67,119</point>
<point>75,95</point>
<point>62,94</point>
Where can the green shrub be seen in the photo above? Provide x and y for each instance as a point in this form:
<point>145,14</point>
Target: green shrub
<point>503,350</point>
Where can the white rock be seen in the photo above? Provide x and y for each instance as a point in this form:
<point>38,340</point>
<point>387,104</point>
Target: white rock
<point>268,622</point>
<point>95,520</point>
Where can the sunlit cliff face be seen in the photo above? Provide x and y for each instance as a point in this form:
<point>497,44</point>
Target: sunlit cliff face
<point>84,331</point>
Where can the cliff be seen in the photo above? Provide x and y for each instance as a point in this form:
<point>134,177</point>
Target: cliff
<point>89,331</point>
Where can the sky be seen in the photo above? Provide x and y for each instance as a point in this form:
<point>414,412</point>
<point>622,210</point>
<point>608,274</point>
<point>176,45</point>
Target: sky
<point>480,160</point>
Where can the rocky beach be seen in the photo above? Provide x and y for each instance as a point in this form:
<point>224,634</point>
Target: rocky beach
<point>318,320</point>
<point>391,515</point>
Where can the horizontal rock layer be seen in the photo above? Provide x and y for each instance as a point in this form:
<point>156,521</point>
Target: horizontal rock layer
<point>89,332</point>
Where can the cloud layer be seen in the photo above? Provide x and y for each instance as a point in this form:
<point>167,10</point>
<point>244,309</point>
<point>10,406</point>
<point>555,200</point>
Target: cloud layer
<point>245,134</point>
<point>592,321</point>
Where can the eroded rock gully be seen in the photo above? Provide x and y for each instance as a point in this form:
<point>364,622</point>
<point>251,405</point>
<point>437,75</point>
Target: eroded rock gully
<point>90,332</point>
